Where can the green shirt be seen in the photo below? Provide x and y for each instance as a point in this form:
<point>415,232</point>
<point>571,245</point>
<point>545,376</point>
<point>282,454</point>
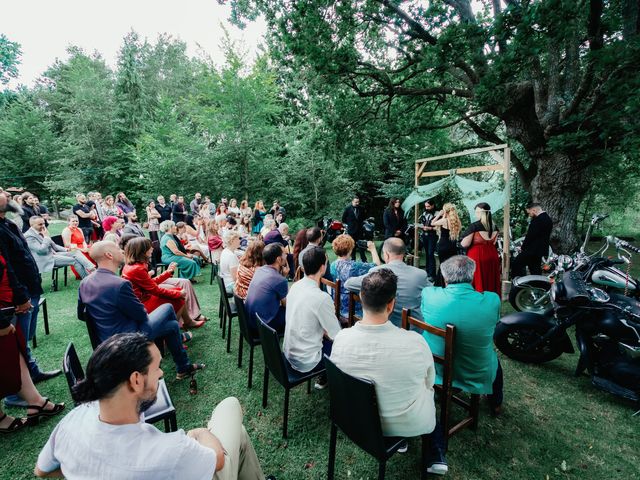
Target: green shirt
<point>475,316</point>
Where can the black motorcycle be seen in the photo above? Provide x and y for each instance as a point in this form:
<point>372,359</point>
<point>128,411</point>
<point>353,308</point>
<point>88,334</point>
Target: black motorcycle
<point>332,228</point>
<point>607,334</point>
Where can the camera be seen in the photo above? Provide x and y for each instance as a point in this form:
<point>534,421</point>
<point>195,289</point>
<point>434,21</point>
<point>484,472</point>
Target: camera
<point>361,244</point>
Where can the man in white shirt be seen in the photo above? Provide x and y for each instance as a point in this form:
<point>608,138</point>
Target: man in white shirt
<point>311,323</point>
<point>398,364</point>
<point>105,438</point>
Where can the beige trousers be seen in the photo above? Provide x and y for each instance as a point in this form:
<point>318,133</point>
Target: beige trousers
<point>240,459</point>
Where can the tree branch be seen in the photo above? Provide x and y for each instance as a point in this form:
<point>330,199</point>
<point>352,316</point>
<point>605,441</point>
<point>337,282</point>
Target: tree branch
<point>414,25</point>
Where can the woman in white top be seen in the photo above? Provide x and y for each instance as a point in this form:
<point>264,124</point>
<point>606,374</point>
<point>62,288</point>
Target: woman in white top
<point>153,217</point>
<point>244,227</point>
<point>233,207</point>
<point>245,209</point>
<point>229,261</point>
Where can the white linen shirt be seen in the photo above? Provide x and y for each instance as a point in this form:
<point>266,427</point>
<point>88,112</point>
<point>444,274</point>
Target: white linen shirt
<point>85,448</point>
<point>310,312</point>
<point>228,260</point>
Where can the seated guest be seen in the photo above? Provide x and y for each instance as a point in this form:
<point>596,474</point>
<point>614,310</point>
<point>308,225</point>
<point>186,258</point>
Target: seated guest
<point>214,241</point>
<point>49,255</point>
<point>411,280</point>
<point>398,364</point>
<point>229,260</point>
<point>112,227</point>
<point>344,267</point>
<point>73,240</point>
<point>105,436</point>
<point>314,239</point>
<point>280,235</point>
<point>270,231</point>
<point>311,323</point>
<point>244,226</point>
<point>133,226</point>
<point>151,291</point>
<point>190,246</point>
<point>114,308</point>
<point>268,289</point>
<point>249,263</point>
<point>173,251</point>
<point>299,244</point>
<point>476,368</point>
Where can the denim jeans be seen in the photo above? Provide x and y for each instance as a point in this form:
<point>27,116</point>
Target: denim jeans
<point>164,323</point>
<point>28,322</point>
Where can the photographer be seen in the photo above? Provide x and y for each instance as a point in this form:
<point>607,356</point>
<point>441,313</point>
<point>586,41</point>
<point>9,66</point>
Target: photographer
<point>354,216</point>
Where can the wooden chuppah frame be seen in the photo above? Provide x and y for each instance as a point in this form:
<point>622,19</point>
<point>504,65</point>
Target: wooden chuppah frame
<point>502,155</point>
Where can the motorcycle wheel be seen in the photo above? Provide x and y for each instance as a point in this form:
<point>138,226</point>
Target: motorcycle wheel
<point>523,298</point>
<point>512,340</point>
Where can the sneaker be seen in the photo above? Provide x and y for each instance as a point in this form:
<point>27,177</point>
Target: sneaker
<point>321,382</point>
<point>404,447</point>
<point>437,463</point>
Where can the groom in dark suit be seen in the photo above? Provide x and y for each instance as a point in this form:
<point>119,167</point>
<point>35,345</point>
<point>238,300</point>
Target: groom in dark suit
<point>536,242</point>
<point>354,216</point>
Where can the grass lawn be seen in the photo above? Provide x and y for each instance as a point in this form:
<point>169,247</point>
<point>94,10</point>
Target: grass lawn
<point>554,425</point>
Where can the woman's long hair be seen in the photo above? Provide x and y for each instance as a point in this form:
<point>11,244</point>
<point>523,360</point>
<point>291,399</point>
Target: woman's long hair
<point>455,225</point>
<point>485,216</point>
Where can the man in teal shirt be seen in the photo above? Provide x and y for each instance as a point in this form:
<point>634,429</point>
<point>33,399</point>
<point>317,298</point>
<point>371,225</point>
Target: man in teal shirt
<point>476,368</point>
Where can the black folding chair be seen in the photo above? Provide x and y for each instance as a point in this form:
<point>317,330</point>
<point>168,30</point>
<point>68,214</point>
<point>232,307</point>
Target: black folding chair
<point>354,410</point>
<point>246,335</point>
<point>276,363</point>
<point>214,268</point>
<point>227,311</point>
<point>162,409</point>
<point>42,303</point>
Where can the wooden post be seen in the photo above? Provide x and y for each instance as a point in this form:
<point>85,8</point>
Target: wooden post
<point>506,254</point>
<point>416,243</point>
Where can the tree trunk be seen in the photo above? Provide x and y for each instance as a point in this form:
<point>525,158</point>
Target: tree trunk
<point>559,186</point>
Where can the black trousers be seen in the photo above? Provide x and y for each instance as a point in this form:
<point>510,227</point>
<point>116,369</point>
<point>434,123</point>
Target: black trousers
<point>429,243</point>
<point>363,252</point>
<point>524,260</point>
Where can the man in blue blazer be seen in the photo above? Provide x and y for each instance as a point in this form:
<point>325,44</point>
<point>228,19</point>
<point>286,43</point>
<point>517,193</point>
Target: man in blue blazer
<point>114,308</point>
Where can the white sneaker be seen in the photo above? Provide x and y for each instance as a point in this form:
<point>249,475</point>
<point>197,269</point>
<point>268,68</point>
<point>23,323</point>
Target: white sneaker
<point>404,447</point>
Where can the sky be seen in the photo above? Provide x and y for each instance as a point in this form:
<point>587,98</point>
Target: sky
<point>45,28</point>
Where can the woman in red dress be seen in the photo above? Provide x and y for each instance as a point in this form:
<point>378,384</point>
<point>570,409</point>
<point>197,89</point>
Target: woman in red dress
<point>152,292</point>
<point>14,374</point>
<point>480,240</point>
<point>73,239</point>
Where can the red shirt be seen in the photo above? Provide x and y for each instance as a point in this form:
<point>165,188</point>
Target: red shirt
<point>144,286</point>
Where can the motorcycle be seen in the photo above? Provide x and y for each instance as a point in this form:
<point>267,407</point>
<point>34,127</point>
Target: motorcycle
<point>333,228</point>
<point>607,329</point>
<point>530,293</point>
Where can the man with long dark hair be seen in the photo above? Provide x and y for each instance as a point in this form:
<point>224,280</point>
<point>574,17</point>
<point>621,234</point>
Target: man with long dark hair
<point>105,436</point>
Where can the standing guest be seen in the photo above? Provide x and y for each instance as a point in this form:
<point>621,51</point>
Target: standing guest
<point>163,209</point>
<point>74,241</point>
<point>398,362</point>
<point>480,241</point>
<point>125,205</point>
<point>229,260</point>
<point>259,213</point>
<point>105,437</point>
<point>429,237</point>
<point>345,267</point>
<point>535,244</point>
<point>173,199</point>
<point>249,263</point>
<point>14,374</point>
<point>300,243</point>
<point>268,290</point>
<point>354,216</point>
<point>233,207</point>
<point>179,212</point>
<point>311,323</point>
<point>27,210</point>
<point>277,209</point>
<point>476,368</point>
<point>114,308</point>
<point>194,206</point>
<point>96,198</point>
<point>133,227</point>
<point>174,251</point>
<point>20,261</point>
<point>245,209</point>
<point>448,224</point>
<point>151,291</point>
<point>85,215</point>
<point>393,218</point>
<point>112,227</point>
<point>214,242</point>
<point>153,216</point>
<point>411,280</point>
<point>49,255</point>
<point>205,210</point>
<point>110,209</point>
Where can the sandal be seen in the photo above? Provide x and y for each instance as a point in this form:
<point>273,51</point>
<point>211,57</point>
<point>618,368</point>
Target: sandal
<point>202,318</point>
<point>196,324</point>
<point>192,369</point>
<point>17,424</point>
<point>34,418</point>
<point>187,337</point>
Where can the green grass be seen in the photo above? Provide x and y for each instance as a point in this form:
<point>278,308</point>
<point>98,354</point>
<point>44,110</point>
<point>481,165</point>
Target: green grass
<point>554,426</point>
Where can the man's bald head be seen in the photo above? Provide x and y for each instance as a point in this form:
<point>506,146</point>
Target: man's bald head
<point>107,255</point>
<point>394,247</point>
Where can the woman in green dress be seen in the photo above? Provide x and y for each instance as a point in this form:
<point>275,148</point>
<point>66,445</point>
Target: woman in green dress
<point>170,246</point>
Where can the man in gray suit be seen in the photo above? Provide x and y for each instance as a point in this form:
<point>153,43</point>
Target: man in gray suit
<point>411,280</point>
<point>133,227</point>
<point>49,255</point>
